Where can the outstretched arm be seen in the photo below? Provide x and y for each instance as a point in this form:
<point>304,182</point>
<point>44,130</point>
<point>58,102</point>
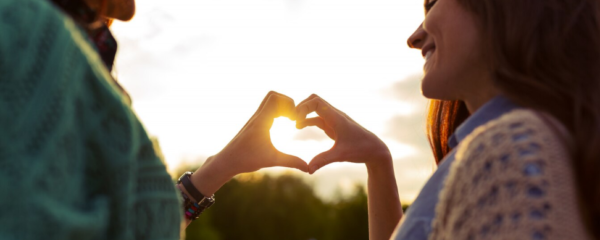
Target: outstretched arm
<point>353,143</point>
<point>250,150</point>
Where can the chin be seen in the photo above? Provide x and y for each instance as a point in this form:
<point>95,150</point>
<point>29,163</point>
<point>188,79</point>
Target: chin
<point>127,16</point>
<point>433,88</point>
<point>125,11</point>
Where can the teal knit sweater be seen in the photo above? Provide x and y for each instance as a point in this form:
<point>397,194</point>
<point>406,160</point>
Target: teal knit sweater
<point>75,162</point>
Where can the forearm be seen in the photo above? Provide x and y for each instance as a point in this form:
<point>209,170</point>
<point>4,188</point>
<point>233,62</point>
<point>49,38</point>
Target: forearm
<point>212,176</point>
<point>385,209</point>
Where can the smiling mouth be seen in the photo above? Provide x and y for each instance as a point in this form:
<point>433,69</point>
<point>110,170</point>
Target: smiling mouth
<point>428,54</point>
<point>427,51</point>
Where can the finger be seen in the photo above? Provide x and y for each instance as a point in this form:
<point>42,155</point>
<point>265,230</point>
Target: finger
<point>303,102</point>
<point>309,98</point>
<point>279,105</point>
<point>260,107</point>
<point>329,104</point>
<point>323,159</point>
<point>322,108</point>
<point>312,96</point>
<point>318,122</point>
<point>266,99</point>
<point>290,161</point>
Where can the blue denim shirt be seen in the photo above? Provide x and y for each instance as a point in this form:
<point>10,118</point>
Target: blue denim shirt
<point>416,223</point>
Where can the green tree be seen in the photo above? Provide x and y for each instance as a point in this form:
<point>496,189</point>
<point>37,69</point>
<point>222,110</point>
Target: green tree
<point>258,206</point>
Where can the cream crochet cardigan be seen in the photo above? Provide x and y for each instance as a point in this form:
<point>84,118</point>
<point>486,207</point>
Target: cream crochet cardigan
<point>511,180</point>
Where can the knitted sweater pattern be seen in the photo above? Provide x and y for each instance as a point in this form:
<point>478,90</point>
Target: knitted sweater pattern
<point>512,179</point>
<point>75,162</point>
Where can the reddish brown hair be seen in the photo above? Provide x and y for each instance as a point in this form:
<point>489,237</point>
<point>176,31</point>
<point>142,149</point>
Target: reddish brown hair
<point>545,55</point>
<point>442,120</point>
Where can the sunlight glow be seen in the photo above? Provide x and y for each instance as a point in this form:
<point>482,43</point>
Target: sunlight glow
<point>283,135</point>
<point>198,69</point>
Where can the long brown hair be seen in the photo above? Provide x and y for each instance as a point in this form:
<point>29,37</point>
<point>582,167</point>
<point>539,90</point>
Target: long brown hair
<point>545,55</point>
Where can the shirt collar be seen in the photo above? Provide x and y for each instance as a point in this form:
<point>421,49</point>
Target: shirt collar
<point>491,110</point>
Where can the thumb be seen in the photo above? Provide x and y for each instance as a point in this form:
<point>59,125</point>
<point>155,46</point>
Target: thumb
<point>322,160</point>
<point>290,161</point>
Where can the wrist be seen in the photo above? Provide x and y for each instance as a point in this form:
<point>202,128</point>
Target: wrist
<point>182,189</point>
<point>194,202</point>
<point>380,156</point>
<point>381,165</point>
<point>210,177</point>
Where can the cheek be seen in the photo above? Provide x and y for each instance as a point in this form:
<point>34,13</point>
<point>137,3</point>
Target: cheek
<point>443,69</point>
<point>453,65</point>
<point>449,70</point>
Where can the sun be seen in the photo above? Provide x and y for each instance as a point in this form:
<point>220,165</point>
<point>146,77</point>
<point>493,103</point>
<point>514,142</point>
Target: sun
<point>284,137</point>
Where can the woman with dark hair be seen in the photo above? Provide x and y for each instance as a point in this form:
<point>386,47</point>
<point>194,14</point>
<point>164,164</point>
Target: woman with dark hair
<point>75,162</point>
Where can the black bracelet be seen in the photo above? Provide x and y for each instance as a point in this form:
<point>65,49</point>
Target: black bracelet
<point>189,186</point>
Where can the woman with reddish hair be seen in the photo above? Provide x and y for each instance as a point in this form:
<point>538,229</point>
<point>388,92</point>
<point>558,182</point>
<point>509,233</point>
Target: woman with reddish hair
<point>514,123</point>
<point>514,120</point>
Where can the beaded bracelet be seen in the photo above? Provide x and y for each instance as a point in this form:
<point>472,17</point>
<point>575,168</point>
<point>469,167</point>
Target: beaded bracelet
<point>194,209</point>
<point>190,208</point>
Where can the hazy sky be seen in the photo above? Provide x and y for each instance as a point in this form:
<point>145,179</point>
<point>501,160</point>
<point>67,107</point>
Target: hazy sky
<point>198,69</point>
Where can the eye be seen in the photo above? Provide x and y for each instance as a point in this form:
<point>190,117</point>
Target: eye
<point>429,5</point>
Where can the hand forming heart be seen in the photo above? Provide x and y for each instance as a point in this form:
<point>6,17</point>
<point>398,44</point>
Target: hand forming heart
<point>251,149</point>
<point>353,143</point>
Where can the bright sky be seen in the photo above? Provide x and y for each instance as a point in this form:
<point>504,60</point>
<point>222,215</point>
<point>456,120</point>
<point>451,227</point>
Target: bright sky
<point>198,69</point>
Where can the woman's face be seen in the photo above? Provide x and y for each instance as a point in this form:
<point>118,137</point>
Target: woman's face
<point>449,41</point>
<point>117,9</point>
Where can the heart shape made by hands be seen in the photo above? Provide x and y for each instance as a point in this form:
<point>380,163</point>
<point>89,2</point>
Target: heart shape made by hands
<point>305,143</point>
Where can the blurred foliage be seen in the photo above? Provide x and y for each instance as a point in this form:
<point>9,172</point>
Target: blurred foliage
<point>258,206</point>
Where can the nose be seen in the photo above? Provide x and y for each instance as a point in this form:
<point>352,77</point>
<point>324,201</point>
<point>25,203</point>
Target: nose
<point>417,39</point>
